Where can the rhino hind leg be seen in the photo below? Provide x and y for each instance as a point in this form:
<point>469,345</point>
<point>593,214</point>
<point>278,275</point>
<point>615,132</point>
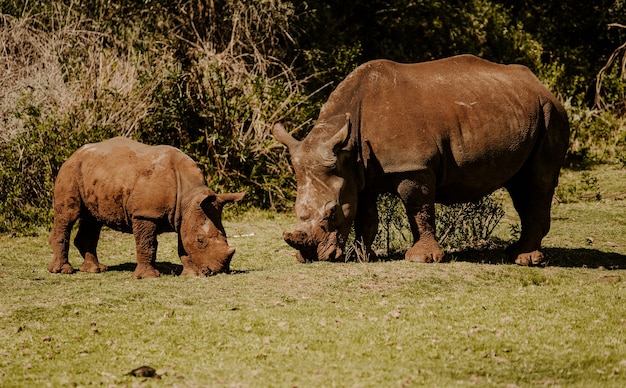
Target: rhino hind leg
<point>145,233</point>
<point>66,212</point>
<point>86,241</point>
<point>532,198</point>
<point>532,188</point>
<point>419,200</point>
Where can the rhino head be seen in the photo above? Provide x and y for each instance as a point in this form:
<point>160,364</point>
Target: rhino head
<point>202,245</point>
<point>326,196</point>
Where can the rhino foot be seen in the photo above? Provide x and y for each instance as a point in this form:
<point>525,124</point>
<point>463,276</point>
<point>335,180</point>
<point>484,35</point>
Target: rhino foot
<point>530,258</point>
<point>424,252</point>
<point>56,267</point>
<point>92,267</point>
<point>145,272</point>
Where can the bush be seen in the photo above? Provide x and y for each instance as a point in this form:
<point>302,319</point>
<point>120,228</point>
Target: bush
<point>72,79</point>
<point>587,189</point>
<point>459,226</point>
<point>597,136</point>
<point>54,105</point>
<point>211,77</point>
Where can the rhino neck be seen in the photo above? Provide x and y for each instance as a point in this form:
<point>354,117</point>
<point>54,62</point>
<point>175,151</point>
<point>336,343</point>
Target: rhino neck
<point>184,201</point>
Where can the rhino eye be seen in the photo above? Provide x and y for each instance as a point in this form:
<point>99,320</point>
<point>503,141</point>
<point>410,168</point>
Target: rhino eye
<point>200,240</point>
<point>331,210</point>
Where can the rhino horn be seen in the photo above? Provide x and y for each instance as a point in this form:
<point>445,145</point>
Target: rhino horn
<point>297,239</point>
<point>280,133</point>
<point>341,138</point>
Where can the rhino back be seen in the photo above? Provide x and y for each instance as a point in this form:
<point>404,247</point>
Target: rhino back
<point>119,179</point>
<point>471,121</point>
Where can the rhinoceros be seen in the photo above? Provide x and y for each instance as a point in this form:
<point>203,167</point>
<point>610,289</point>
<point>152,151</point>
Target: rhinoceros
<point>447,131</point>
<point>144,190</point>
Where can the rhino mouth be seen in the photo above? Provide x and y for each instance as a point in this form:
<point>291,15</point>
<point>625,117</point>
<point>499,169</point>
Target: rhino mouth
<point>209,272</point>
<point>211,268</point>
<point>310,248</point>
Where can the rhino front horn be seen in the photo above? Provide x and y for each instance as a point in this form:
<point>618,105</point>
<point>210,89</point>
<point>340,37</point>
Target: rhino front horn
<point>297,239</point>
<point>281,134</point>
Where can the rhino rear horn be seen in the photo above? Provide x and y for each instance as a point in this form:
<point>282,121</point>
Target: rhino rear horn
<point>341,138</point>
<point>280,133</point>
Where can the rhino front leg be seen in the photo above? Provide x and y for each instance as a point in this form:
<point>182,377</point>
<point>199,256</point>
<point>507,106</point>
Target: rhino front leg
<point>86,241</point>
<point>145,232</point>
<point>418,196</point>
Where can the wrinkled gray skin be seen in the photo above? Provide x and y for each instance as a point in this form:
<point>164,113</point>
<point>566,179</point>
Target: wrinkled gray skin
<point>143,190</point>
<point>446,131</point>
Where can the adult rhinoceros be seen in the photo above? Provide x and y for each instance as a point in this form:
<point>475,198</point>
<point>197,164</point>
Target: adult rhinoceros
<point>144,190</point>
<point>447,131</point>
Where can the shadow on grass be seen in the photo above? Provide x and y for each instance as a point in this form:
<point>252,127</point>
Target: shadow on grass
<point>584,257</point>
<point>555,257</point>
<point>164,268</point>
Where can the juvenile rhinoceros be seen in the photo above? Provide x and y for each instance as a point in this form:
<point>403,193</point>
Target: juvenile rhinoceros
<point>448,131</point>
<point>144,190</point>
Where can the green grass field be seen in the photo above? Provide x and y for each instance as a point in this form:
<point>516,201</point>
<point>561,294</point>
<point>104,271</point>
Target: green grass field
<point>470,321</point>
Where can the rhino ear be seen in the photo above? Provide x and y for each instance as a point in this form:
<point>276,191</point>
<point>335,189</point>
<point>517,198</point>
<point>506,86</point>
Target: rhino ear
<point>222,199</point>
<point>209,200</point>
<point>218,201</point>
<point>341,138</point>
<point>280,133</point>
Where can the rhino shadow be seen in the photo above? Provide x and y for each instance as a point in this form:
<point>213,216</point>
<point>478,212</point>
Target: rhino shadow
<point>164,268</point>
<point>554,257</point>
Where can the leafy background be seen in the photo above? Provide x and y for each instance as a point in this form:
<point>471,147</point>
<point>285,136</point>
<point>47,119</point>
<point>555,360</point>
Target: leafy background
<point>212,76</point>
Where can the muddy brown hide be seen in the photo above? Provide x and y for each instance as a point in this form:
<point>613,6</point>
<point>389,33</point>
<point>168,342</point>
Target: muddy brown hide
<point>448,131</point>
<point>144,190</point>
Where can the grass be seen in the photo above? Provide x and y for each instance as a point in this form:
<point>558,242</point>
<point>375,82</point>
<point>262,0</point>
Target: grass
<point>470,321</point>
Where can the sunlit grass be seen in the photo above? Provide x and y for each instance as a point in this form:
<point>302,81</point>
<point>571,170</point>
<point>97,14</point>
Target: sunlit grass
<point>275,322</point>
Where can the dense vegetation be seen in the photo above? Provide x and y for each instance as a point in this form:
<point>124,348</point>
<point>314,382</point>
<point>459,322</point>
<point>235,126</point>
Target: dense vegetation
<point>211,76</point>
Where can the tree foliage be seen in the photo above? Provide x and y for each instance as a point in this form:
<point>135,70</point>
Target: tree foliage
<point>211,76</point>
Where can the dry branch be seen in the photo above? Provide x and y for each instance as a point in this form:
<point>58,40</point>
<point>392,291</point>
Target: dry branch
<point>621,50</point>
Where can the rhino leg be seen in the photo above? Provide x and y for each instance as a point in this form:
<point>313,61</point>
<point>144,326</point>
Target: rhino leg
<point>86,241</point>
<point>418,195</point>
<point>366,222</point>
<point>66,212</point>
<point>532,202</point>
<point>145,232</point>
<point>532,188</point>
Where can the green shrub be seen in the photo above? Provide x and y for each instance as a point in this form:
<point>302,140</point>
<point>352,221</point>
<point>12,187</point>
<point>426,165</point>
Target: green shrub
<point>468,225</point>
<point>598,133</point>
<point>59,99</point>
<point>587,189</point>
<point>460,226</point>
<point>597,136</point>
<point>72,79</point>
